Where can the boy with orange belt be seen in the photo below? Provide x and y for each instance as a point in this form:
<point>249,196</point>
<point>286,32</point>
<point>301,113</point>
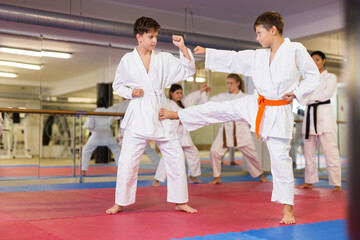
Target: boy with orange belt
<point>275,72</point>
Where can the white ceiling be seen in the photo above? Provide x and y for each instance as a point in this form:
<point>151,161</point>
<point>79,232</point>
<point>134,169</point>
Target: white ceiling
<point>239,11</point>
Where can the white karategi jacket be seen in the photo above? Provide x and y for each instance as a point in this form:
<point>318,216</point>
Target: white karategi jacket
<point>272,81</point>
<point>189,100</point>
<point>326,121</point>
<point>142,113</point>
<point>101,124</point>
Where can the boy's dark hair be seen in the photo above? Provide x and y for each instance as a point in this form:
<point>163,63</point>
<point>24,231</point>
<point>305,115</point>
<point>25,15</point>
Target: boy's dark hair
<point>173,88</point>
<point>319,53</point>
<point>269,19</point>
<point>145,24</point>
<point>237,78</point>
<point>101,102</point>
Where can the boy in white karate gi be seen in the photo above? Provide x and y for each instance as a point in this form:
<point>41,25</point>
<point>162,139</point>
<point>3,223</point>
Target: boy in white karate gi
<point>141,76</point>
<point>234,134</point>
<point>319,126</point>
<point>275,72</point>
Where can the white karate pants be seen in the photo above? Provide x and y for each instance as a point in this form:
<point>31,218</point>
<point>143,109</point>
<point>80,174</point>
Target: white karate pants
<point>217,151</point>
<point>153,155</point>
<point>238,110</point>
<point>281,170</point>
<point>128,166</point>
<point>193,161</point>
<point>96,140</point>
<point>331,151</point>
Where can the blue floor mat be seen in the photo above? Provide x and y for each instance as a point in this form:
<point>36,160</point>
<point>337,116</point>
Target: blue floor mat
<point>141,183</point>
<point>311,231</point>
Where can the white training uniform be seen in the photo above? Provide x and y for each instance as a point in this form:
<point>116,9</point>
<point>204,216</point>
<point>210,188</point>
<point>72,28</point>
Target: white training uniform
<point>326,133</point>
<point>101,133</point>
<point>271,81</point>
<point>191,152</point>
<point>141,122</point>
<point>244,140</point>
<point>149,151</point>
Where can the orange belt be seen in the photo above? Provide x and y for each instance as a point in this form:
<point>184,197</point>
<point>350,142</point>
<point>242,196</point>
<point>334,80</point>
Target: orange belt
<point>262,102</point>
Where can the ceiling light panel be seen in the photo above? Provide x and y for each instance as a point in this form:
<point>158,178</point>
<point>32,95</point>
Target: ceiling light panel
<point>8,75</point>
<point>35,53</point>
<point>20,65</point>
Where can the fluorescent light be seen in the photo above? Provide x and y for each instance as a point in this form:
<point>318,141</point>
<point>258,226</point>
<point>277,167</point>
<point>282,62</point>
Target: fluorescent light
<point>56,54</point>
<point>200,79</point>
<point>8,75</point>
<point>190,79</point>
<point>35,53</point>
<point>20,65</point>
<point>20,51</point>
<point>81,100</point>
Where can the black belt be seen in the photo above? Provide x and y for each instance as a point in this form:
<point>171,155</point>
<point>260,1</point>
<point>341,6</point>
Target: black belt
<point>315,105</point>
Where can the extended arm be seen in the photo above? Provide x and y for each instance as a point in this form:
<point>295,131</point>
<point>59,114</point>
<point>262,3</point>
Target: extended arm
<point>227,61</point>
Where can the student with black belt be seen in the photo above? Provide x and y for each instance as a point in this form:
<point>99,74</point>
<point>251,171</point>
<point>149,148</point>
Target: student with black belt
<point>319,126</point>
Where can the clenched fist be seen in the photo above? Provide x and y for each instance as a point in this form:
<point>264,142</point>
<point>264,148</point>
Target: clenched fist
<point>137,92</point>
<point>199,50</point>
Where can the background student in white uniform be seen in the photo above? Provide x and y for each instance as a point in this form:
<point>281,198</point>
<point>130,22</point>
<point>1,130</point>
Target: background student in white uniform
<point>141,76</point>
<point>192,155</point>
<point>275,72</point>
<point>234,134</point>
<point>319,126</point>
<point>101,132</point>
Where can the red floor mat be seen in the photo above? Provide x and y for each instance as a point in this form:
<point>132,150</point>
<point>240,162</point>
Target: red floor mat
<point>228,207</point>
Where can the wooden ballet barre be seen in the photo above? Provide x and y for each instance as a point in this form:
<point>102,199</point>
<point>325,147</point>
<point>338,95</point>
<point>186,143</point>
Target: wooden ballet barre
<point>59,112</point>
<point>299,121</point>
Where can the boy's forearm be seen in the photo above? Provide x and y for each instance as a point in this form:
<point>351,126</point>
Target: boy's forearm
<point>173,115</point>
<point>185,52</point>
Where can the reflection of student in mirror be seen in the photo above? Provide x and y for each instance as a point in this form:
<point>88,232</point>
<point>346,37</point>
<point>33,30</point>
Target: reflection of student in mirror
<point>101,133</point>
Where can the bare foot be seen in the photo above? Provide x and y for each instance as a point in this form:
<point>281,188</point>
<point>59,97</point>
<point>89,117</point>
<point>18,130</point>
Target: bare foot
<point>83,172</point>
<point>115,209</point>
<point>216,180</point>
<point>288,217</point>
<point>156,183</point>
<point>337,189</point>
<point>166,114</point>
<point>186,208</point>
<point>305,185</point>
<point>194,180</point>
<point>263,178</point>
